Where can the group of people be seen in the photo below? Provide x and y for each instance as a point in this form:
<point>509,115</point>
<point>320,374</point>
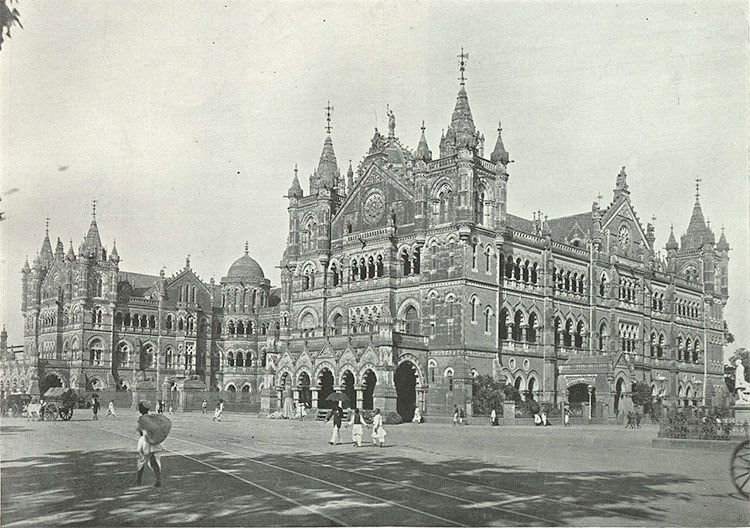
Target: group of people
<point>357,422</point>
<point>634,420</point>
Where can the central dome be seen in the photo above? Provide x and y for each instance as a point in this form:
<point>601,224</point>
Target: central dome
<point>245,267</point>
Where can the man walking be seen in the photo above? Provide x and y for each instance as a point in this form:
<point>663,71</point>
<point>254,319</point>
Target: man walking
<point>204,406</point>
<point>148,454</point>
<point>95,407</point>
<point>336,414</point>
<point>219,411</point>
<point>111,409</point>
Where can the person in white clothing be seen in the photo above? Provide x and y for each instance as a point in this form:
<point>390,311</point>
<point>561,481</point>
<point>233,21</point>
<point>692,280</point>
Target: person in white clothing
<point>111,409</point>
<point>493,417</point>
<point>219,411</point>
<point>148,454</point>
<point>357,421</point>
<point>417,416</point>
<point>378,431</point>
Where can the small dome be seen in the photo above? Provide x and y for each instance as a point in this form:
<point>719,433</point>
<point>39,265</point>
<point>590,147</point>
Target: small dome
<point>245,267</point>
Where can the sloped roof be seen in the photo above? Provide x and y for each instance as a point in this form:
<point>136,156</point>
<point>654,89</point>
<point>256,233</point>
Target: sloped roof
<point>520,224</point>
<point>563,227</point>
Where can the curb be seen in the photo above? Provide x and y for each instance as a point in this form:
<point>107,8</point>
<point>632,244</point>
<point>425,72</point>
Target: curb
<point>688,443</point>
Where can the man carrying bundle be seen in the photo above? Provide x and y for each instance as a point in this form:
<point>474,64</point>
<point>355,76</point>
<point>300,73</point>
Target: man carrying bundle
<point>153,430</point>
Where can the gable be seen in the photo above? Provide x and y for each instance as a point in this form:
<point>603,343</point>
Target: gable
<point>176,291</point>
<point>624,215</point>
<point>376,197</point>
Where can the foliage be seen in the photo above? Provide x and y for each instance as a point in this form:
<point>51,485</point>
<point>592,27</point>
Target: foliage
<point>487,394</point>
<point>527,408</point>
<point>9,16</point>
<point>728,336</point>
<point>696,423</point>
<point>641,396</point>
<point>511,393</point>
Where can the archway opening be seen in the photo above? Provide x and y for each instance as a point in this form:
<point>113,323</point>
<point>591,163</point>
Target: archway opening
<point>348,384</point>
<point>406,390</point>
<point>369,393</point>
<point>303,384</point>
<point>49,381</point>
<point>618,394</point>
<point>578,399</point>
<point>95,384</point>
<point>325,382</point>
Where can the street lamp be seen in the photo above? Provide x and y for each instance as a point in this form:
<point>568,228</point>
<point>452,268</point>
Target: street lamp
<point>591,390</point>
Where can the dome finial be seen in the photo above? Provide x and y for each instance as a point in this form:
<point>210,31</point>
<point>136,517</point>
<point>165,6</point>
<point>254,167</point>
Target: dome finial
<point>46,227</point>
<point>93,208</point>
<point>247,247</point>
<point>328,108</point>
<point>187,261</point>
<point>697,189</point>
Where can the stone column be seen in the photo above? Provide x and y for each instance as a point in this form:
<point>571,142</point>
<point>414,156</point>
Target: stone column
<point>295,394</point>
<point>360,396</point>
<point>314,396</point>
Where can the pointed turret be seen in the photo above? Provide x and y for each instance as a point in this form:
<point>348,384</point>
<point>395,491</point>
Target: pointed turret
<point>461,133</point>
<point>672,242</point>
<point>697,232</point>
<point>59,249</point>
<point>423,151</point>
<point>92,243</point>
<point>621,187</point>
<point>26,268</point>
<point>295,191</point>
<point>70,255</point>
<point>114,256</point>
<point>327,175</point>
<point>722,245</point>
<point>45,254</point>
<point>500,155</point>
<point>350,177</point>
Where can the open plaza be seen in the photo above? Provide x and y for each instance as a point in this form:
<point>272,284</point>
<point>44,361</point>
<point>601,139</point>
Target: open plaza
<point>247,471</point>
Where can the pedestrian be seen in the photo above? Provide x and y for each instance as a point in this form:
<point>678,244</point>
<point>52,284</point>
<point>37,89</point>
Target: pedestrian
<point>417,416</point>
<point>357,421</point>
<point>335,414</point>
<point>148,454</point>
<point>378,431</point>
<point>637,419</point>
<point>493,417</point>
<point>567,417</point>
<point>461,417</point>
<point>455,415</point>
<point>630,419</point>
<point>95,407</point>
<point>170,409</point>
<point>204,406</point>
<point>111,409</point>
<point>537,419</point>
<point>218,411</point>
<point>545,422</point>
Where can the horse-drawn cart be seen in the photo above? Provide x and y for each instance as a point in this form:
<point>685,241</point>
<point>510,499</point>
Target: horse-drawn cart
<point>59,403</point>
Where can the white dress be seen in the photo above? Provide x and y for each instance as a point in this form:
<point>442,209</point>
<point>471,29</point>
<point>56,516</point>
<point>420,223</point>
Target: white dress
<point>378,431</point>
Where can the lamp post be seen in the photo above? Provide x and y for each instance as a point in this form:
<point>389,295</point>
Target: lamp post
<point>591,390</point>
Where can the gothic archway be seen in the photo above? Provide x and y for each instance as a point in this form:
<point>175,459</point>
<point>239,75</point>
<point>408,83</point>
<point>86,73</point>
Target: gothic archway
<point>325,384</point>
<point>619,386</point>
<point>370,380</point>
<point>49,381</point>
<point>348,386</point>
<point>405,379</point>
<point>578,397</point>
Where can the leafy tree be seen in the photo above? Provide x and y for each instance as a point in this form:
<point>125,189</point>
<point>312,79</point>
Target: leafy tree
<point>511,393</point>
<point>9,16</point>
<point>487,394</point>
<point>641,396</point>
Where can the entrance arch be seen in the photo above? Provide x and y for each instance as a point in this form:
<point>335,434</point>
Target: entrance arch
<point>51,380</point>
<point>325,382</point>
<point>347,381</point>
<point>405,379</point>
<point>303,384</point>
<point>578,396</point>
<point>618,394</point>
<point>369,380</point>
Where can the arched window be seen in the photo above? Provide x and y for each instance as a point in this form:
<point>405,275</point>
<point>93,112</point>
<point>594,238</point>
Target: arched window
<point>337,324</point>
<point>487,317</point>
<point>230,359</point>
<point>603,286</point>
<point>474,302</point>
<point>379,266</point>
<point>123,355</point>
<point>487,261</point>
<point>416,264</point>
<point>518,321</point>
<point>431,366</point>
<point>502,322</point>
<point>531,329</point>
<point>96,349</point>
<point>448,375</point>
<point>240,360</point>
<point>411,318</point>
<point>335,274</point>
<point>474,251</point>
<point>405,262</point>
<point>534,273</point>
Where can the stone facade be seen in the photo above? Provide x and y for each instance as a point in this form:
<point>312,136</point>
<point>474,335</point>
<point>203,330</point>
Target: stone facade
<point>401,281</point>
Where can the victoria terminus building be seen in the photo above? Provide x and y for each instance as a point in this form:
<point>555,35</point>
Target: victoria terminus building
<point>401,280</point>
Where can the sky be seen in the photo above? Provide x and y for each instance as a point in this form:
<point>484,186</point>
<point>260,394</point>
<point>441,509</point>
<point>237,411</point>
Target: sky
<point>185,119</point>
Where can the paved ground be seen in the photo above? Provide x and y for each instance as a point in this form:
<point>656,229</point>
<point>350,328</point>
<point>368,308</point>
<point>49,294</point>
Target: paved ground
<point>248,471</point>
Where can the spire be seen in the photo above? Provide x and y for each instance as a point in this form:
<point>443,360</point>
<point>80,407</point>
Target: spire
<point>461,133</point>
<point>423,151</point>
<point>350,177</point>
<point>672,242</point>
<point>295,191</point>
<point>45,255</point>
<point>114,256</point>
<point>26,268</point>
<point>723,245</point>
<point>327,175</point>
<point>621,186</point>
<point>59,249</point>
<point>92,243</point>
<point>70,255</point>
<point>500,155</point>
<point>697,232</point>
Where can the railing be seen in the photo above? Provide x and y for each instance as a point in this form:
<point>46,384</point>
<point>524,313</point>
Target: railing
<point>410,340</point>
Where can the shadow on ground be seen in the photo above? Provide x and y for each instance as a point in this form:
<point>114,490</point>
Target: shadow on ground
<point>95,488</point>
